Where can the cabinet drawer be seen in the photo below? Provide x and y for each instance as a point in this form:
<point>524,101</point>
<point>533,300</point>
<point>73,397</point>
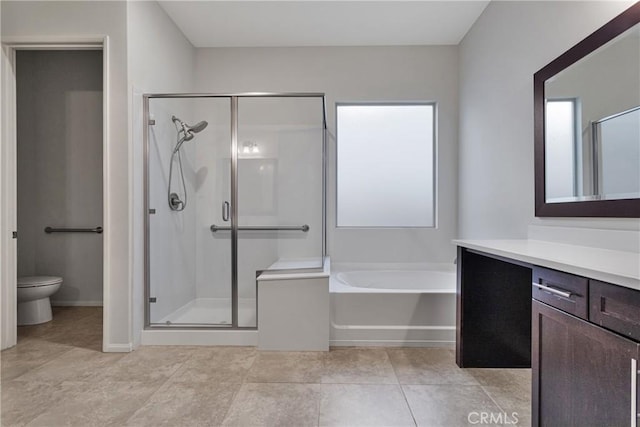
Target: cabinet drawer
<point>615,308</point>
<point>561,290</point>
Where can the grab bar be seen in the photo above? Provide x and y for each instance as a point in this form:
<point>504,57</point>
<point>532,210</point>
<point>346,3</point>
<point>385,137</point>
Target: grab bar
<point>50,230</point>
<point>304,228</point>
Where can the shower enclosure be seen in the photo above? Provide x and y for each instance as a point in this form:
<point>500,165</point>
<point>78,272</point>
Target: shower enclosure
<point>246,196</point>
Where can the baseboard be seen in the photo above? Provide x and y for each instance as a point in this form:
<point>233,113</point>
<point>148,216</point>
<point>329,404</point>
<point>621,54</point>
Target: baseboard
<point>199,337</point>
<point>76,303</point>
<point>392,343</point>
<point>117,348</point>
<point>392,335</point>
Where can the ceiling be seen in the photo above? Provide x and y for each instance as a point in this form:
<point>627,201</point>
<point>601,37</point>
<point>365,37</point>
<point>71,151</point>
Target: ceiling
<point>323,23</point>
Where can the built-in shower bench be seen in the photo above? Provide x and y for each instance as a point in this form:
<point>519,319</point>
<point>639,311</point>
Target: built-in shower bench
<point>294,312</point>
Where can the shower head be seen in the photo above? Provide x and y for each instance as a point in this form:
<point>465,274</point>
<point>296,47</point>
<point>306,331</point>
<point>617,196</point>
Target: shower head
<point>187,131</point>
<point>198,127</point>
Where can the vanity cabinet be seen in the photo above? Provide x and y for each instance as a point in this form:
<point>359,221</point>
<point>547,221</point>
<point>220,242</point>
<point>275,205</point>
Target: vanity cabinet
<point>493,311</point>
<point>518,306</point>
<point>583,374</point>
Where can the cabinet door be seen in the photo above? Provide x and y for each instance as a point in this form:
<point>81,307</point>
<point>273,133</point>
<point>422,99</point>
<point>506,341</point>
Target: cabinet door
<point>583,375</point>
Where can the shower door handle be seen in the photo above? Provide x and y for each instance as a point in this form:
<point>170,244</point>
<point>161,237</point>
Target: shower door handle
<point>225,211</point>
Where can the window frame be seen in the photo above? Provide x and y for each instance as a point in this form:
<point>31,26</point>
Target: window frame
<point>434,165</point>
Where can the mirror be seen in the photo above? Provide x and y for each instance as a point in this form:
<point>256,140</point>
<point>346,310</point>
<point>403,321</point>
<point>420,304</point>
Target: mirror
<point>587,125</point>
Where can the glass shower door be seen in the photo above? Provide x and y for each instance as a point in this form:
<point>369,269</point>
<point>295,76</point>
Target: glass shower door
<point>235,186</point>
<point>189,190</point>
<point>279,190</point>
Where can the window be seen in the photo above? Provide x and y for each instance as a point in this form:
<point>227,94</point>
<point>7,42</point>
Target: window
<point>561,148</point>
<point>385,165</point>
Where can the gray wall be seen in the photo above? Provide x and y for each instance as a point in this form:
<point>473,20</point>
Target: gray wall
<point>424,73</point>
<point>59,97</point>
<point>498,57</point>
<point>160,60</point>
<point>41,21</point>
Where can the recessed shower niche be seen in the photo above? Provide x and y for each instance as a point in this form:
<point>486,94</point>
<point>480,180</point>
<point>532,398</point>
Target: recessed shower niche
<point>234,186</point>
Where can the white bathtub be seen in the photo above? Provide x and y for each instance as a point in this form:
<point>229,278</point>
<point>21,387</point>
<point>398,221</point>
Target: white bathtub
<point>393,305</point>
<point>389,281</point>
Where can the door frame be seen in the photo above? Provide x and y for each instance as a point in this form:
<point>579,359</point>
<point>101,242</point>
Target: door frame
<point>8,173</point>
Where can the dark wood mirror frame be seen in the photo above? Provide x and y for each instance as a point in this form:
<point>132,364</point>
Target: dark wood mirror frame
<point>623,208</point>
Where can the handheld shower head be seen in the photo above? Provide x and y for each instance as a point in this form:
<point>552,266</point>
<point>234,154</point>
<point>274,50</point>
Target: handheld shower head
<point>188,132</point>
<point>198,127</point>
<point>185,133</point>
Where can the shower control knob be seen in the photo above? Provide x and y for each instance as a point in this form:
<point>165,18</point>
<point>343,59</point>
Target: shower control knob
<point>175,203</point>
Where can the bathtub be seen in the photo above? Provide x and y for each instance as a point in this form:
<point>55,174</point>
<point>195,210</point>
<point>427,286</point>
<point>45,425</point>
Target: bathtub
<point>393,305</point>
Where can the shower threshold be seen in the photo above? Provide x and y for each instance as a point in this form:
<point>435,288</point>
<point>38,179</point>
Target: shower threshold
<point>211,312</point>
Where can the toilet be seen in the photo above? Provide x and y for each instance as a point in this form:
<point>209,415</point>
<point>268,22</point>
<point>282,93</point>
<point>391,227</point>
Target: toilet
<point>34,306</point>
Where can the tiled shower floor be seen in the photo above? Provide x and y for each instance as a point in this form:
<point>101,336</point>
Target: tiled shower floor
<point>56,375</point>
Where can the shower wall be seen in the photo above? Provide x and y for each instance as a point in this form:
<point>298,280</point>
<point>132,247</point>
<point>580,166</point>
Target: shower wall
<point>282,183</point>
<point>59,101</point>
<point>171,234</point>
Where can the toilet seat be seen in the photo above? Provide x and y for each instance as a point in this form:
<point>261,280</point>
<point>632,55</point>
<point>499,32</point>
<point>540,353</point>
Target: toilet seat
<point>36,281</point>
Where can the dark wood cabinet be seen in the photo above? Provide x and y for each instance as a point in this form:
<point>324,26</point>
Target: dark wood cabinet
<point>615,308</point>
<point>493,312</point>
<point>583,375</point>
<point>580,336</point>
<point>564,291</point>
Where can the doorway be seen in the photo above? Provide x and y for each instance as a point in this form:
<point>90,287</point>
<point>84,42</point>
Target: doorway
<point>57,123</point>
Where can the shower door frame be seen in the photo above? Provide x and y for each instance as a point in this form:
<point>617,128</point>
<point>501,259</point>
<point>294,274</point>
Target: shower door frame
<point>233,97</point>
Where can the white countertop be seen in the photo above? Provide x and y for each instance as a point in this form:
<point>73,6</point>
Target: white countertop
<point>617,267</point>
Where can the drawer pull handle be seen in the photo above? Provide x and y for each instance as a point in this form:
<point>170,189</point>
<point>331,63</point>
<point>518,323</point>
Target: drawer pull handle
<point>553,290</point>
<point>634,392</point>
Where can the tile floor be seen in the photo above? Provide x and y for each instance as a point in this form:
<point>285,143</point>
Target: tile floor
<point>57,376</point>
